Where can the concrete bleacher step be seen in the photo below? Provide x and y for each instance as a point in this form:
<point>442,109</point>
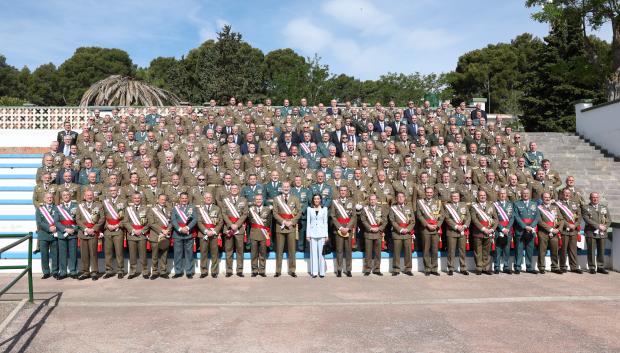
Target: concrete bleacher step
<point>570,155</point>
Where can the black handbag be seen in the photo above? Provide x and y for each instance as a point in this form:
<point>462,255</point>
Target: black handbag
<point>327,248</point>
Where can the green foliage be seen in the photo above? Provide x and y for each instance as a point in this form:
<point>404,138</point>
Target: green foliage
<point>6,101</point>
<point>44,87</point>
<point>89,65</point>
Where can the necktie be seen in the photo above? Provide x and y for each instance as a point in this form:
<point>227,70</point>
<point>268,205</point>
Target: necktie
<point>286,198</point>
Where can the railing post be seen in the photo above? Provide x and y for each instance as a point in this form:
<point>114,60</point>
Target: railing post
<point>30,291</point>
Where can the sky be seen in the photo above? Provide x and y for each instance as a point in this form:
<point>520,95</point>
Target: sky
<point>361,38</point>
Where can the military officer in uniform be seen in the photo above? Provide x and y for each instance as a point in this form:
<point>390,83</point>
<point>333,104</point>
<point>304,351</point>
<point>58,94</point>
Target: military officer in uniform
<point>273,188</point>
<point>344,218</point>
<point>260,234</point>
<point>526,218</point>
<point>430,218</point>
<point>135,225</point>
<point>90,219</point>
<point>183,223</point>
<point>484,222</point>
<point>67,236</point>
<point>457,220</point>
<point>550,223</point>
<point>286,213</point>
<point>374,221</point>
<point>571,212</point>
<point>113,208</point>
<point>503,233</point>
<point>402,220</point>
<point>303,194</point>
<point>210,223</point>
<point>235,213</point>
<point>597,222</point>
<point>322,188</point>
<point>158,219</point>
<point>47,233</point>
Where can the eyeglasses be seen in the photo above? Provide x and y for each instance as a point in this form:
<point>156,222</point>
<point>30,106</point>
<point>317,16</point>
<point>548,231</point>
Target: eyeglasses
<point>201,180</point>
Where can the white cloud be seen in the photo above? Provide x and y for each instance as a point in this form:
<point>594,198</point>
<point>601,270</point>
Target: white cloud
<point>303,34</point>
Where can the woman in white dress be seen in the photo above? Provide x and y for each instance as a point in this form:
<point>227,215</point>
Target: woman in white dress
<point>316,233</point>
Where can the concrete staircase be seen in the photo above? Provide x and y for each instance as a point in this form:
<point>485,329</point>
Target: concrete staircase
<point>571,155</point>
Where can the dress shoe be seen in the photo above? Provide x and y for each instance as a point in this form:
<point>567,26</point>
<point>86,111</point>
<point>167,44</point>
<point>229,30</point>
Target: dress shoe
<point>592,271</point>
<point>154,277</point>
<point>132,276</point>
<point>120,275</point>
<point>395,274</point>
<point>542,272</point>
<point>214,275</point>
<point>348,273</point>
<point>254,274</point>
<point>262,275</point>
<point>189,276</point>
<point>339,274</point>
<point>61,277</point>
<point>487,272</point>
<point>313,276</point>
<point>603,271</point>
<point>55,276</point>
<point>450,273</point>
<point>516,272</point>
<point>321,276</point>
<point>277,274</point>
<point>228,275</point>
<point>36,252</point>
<point>74,276</point>
<point>496,272</point>
<point>203,275</point>
<point>378,273</point>
<point>426,273</point>
<point>46,276</point>
<point>366,273</point>
<point>108,275</point>
<point>293,274</point>
<point>240,274</point>
<point>95,277</point>
<point>478,272</point>
<point>507,271</point>
<point>177,275</point>
<point>435,273</point>
<point>534,272</point>
<point>577,271</point>
<point>564,270</point>
<point>465,273</point>
<point>559,272</point>
<point>408,273</point>
<point>165,276</point>
<point>146,276</point>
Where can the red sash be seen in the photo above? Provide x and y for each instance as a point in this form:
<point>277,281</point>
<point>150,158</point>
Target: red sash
<point>266,229</point>
<point>343,220</point>
<point>136,227</point>
<point>112,221</point>
<point>551,224</point>
<point>89,225</point>
<point>68,222</point>
<point>529,221</point>
<point>286,215</point>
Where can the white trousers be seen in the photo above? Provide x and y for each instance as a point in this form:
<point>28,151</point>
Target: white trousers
<point>317,260</point>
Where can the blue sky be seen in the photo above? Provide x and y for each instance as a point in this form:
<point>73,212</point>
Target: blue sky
<point>362,38</point>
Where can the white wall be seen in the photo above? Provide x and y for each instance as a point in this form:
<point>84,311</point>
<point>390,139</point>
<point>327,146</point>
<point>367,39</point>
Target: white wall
<point>600,125</point>
<point>27,138</point>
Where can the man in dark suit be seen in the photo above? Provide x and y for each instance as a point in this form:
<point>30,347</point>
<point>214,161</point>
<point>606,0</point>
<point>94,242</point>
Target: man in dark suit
<point>412,128</point>
<point>286,144</point>
<point>409,112</point>
<point>66,132</point>
<point>336,136</point>
<point>333,108</point>
<point>475,112</point>
<point>65,146</point>
<point>396,124</point>
<point>319,130</point>
<point>380,124</point>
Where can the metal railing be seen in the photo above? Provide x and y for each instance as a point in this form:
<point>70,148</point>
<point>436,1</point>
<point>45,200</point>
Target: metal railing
<point>27,269</point>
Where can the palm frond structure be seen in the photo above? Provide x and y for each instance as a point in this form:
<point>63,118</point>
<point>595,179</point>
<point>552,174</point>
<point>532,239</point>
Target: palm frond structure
<point>126,91</point>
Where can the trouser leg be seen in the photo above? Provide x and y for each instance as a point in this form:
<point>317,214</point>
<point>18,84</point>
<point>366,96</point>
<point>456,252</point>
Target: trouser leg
<point>340,241</point>
<point>367,254</point>
<point>600,253</point>
<point>133,256</point>
<point>452,244</point>
<point>396,249</point>
<point>188,253</point>
<point>321,260</point>
<point>63,245</point>
<point>72,260</point>
<point>553,248</point>
<point>44,248</point>
<point>204,256</point>
<point>254,255</point>
<point>215,255</point>
<point>280,242</point>
<point>178,256</point>
<point>154,258</point>
<point>291,252</point>
<point>543,243</point>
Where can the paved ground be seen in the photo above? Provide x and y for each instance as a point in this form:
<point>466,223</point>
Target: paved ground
<point>525,313</point>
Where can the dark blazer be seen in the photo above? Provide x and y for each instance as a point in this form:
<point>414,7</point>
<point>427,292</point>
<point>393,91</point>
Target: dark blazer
<point>61,137</point>
<point>282,147</point>
<point>473,114</point>
<point>378,126</point>
<point>412,129</point>
<point>330,111</point>
<point>408,114</point>
<point>333,136</point>
<point>239,139</point>
<point>244,149</point>
<point>60,180</point>
<point>394,129</point>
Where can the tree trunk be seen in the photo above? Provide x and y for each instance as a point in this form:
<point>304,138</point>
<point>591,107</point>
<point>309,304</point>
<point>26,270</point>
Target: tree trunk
<point>613,91</point>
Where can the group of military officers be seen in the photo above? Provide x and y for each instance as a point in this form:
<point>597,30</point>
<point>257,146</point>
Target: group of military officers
<point>229,178</point>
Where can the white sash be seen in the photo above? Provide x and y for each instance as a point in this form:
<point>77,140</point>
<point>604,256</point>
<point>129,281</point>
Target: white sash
<point>305,147</point>
<point>181,214</point>
<point>485,217</point>
<point>341,209</point>
<point>370,216</point>
<point>160,216</point>
<point>427,211</point>
<point>231,208</point>
<point>135,219</point>
<point>455,215</point>
<point>86,214</point>
<point>66,215</point>
<point>284,206</point>
<point>550,216</point>
<point>111,209</point>
<point>399,214</point>
<point>205,215</point>
<point>500,211</point>
<point>259,221</point>
<point>566,211</point>
<point>48,217</point>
